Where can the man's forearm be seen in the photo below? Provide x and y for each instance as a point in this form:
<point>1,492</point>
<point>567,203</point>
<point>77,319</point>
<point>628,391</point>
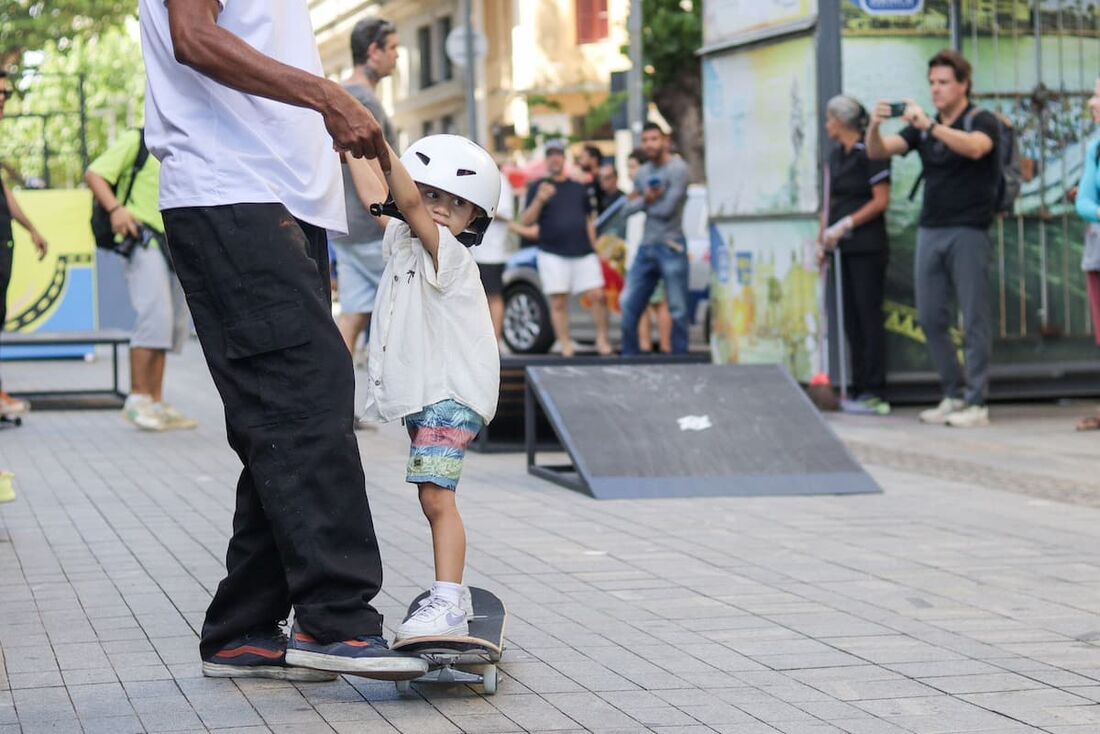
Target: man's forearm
<point>219,54</point>
<point>17,211</point>
<point>876,148</point>
<point>531,213</point>
<point>101,190</point>
<point>972,145</point>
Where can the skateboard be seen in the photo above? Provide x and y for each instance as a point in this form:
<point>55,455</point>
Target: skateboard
<point>448,657</point>
<point>10,421</point>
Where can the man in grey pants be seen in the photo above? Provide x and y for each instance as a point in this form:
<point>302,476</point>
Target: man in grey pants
<point>961,180</point>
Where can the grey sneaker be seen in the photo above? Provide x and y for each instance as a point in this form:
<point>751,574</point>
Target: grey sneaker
<point>939,414</point>
<point>972,416</point>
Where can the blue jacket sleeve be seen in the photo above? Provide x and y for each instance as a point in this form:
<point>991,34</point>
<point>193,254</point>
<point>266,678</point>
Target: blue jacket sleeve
<point>1088,198</point>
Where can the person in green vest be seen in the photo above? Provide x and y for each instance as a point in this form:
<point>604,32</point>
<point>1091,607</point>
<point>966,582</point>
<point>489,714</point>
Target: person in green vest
<point>162,322</point>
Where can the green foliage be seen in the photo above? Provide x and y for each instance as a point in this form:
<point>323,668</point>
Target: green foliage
<point>599,116</point>
<point>42,130</point>
<point>31,25</point>
<point>671,34</point>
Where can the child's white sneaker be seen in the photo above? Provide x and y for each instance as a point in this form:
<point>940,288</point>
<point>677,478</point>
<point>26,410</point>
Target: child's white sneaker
<point>437,618</point>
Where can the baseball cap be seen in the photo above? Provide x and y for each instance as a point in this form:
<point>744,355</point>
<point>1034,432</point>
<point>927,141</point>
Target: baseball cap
<point>555,146</point>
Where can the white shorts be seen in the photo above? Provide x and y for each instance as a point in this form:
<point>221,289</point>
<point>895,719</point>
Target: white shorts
<point>569,275</point>
<point>157,297</point>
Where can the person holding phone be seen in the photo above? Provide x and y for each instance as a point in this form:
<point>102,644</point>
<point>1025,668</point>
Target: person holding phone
<point>958,149</point>
<point>660,190</point>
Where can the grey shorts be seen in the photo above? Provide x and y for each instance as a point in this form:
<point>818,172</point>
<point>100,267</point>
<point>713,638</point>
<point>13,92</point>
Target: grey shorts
<point>358,270</point>
<point>157,297</point>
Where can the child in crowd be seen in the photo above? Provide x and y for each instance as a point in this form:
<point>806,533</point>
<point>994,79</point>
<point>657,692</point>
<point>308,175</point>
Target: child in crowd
<point>433,359</point>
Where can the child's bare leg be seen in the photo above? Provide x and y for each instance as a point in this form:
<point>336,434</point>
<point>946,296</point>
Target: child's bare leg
<point>448,532</point>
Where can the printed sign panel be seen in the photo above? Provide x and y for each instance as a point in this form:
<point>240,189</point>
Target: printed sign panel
<point>57,293</point>
<point>759,112</point>
<point>727,20</point>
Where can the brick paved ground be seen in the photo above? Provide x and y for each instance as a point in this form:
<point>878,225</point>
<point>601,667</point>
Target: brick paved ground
<point>944,605</point>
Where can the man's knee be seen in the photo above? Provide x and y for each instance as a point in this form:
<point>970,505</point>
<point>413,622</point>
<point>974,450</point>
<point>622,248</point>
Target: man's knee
<point>596,296</point>
<point>559,301</point>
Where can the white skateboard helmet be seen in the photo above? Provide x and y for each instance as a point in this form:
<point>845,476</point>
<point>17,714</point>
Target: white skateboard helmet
<point>458,166</point>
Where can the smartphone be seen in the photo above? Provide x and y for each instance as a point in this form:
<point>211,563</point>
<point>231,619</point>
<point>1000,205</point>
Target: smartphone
<point>897,109</point>
<point>654,182</point>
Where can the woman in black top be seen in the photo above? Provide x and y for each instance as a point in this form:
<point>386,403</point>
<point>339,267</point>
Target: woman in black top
<point>859,193</point>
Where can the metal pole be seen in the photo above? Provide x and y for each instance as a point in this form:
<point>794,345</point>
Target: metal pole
<point>635,112</point>
<point>956,25</point>
<point>83,123</point>
<point>471,74</point>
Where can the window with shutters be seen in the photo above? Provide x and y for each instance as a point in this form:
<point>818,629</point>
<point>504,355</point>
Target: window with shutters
<point>424,46</point>
<point>591,20</point>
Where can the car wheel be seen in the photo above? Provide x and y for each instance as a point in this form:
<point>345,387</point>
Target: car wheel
<point>527,327</point>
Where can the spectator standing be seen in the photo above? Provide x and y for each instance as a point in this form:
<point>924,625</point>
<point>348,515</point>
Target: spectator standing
<point>492,254</point>
<point>247,131</point>
<point>660,190</point>
<point>359,262</point>
<point>567,260</point>
<point>957,148</point>
<point>588,161</point>
<point>609,187</point>
<point>859,194</point>
<point>162,322</point>
<point>1088,208</point>
<point>11,407</point>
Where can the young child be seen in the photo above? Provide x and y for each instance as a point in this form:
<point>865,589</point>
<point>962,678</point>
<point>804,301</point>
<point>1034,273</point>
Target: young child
<point>433,353</point>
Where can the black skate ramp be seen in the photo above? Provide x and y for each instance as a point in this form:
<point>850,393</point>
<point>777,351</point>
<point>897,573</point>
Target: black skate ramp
<point>683,430</point>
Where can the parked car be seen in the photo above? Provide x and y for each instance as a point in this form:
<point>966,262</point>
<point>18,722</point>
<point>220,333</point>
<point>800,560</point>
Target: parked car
<point>527,327</point>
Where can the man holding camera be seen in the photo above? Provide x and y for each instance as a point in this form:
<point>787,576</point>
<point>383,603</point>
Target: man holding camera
<point>660,189</point>
<point>957,148</point>
<point>155,291</point>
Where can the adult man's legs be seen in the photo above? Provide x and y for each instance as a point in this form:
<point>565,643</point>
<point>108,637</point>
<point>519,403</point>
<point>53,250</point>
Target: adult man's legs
<point>674,271</point>
<point>559,319</point>
<point>934,304</point>
<point>968,260</point>
<point>256,281</point>
<point>9,406</point>
<point>641,281</point>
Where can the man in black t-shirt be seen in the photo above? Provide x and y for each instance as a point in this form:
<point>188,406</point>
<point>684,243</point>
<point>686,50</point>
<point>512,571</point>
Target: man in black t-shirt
<point>567,260</point>
<point>961,177</point>
<point>9,210</point>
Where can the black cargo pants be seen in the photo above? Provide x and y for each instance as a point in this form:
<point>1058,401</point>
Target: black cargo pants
<point>257,284</point>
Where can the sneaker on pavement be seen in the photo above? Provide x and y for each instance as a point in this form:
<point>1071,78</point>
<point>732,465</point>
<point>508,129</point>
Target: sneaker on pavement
<point>7,487</point>
<point>260,655</point>
<point>142,412</point>
<point>972,416</point>
<point>939,414</point>
<point>866,405</point>
<point>363,424</point>
<point>173,420</point>
<point>437,618</point>
<point>368,656</point>
<point>13,407</point>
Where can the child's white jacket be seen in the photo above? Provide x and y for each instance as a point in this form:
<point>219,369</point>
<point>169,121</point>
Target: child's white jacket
<point>431,336</point>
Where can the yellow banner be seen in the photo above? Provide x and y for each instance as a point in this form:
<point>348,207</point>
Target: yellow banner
<point>57,293</point>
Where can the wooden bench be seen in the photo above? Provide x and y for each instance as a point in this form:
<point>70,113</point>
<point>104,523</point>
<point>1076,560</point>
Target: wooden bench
<point>112,397</point>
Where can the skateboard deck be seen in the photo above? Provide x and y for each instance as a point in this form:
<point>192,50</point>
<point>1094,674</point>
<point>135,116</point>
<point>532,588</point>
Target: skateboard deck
<point>482,647</point>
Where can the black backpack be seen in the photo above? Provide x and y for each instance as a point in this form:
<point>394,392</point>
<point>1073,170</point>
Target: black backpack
<point>101,220</point>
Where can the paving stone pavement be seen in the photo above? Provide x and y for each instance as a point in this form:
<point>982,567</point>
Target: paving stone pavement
<point>943,605</point>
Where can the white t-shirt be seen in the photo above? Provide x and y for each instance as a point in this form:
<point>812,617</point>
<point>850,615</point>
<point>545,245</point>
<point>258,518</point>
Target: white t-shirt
<point>431,336</point>
<point>219,146</point>
<point>492,250</point>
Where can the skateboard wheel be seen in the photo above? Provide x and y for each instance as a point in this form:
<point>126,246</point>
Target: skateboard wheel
<point>404,687</point>
<point>489,680</point>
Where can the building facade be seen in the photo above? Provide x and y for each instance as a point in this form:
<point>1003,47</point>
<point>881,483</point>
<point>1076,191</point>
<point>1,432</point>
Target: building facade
<point>547,66</point>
